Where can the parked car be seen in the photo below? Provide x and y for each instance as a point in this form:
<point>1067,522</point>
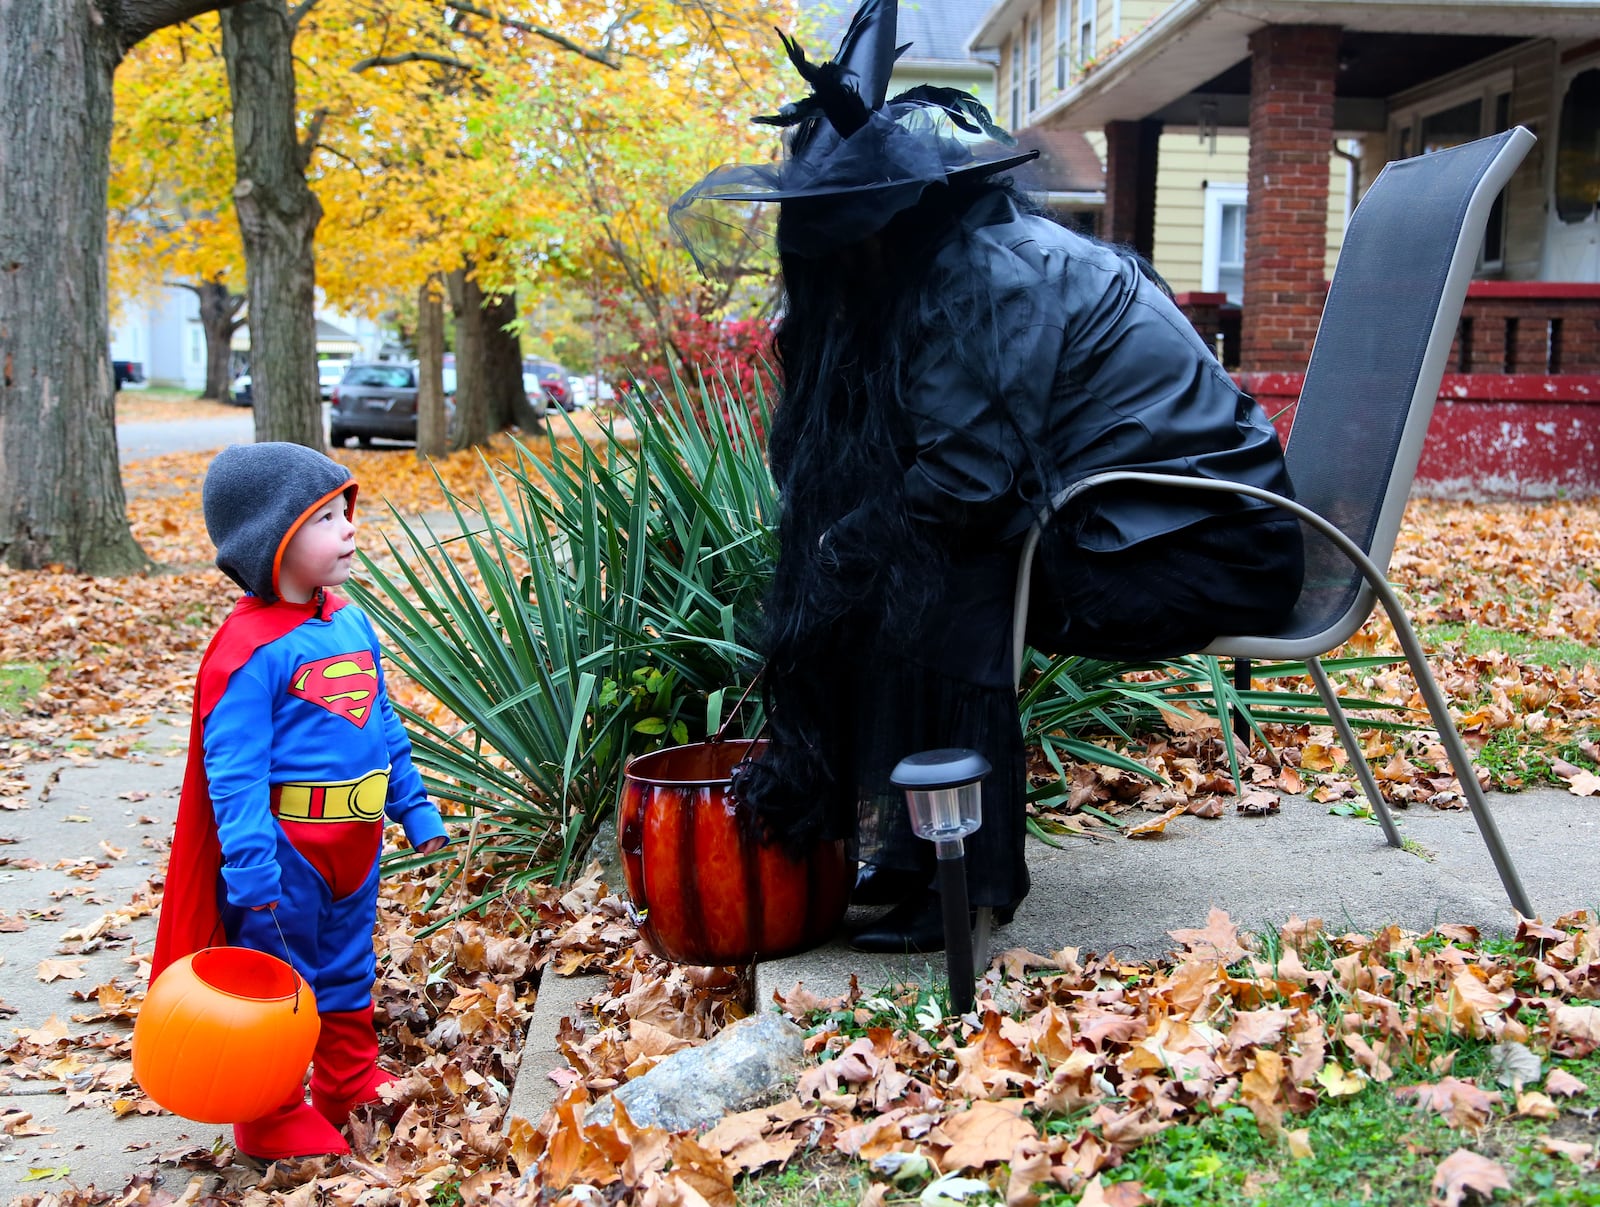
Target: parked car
<point>329,374</point>
<point>584,394</point>
<point>128,373</point>
<point>550,379</point>
<point>239,391</point>
<point>379,399</point>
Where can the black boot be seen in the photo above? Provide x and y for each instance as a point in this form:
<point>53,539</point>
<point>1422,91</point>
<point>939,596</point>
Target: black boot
<point>915,925</point>
<point>879,884</point>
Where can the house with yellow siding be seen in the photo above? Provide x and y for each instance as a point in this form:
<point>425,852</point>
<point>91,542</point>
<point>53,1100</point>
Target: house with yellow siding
<point>1204,108</point>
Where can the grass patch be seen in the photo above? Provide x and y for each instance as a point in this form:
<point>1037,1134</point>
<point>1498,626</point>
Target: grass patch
<point>158,394</point>
<point>816,1178</point>
<point>1370,1148</point>
<point>19,683</point>
<point>1515,759</point>
<point>1540,651</point>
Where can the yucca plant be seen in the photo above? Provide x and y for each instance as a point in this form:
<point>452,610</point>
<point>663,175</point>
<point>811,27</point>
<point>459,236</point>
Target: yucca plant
<point>600,602</point>
<point>1068,700</point>
<point>594,606</point>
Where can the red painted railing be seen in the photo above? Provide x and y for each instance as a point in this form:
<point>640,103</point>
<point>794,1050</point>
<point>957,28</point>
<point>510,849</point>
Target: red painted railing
<point>1518,414</point>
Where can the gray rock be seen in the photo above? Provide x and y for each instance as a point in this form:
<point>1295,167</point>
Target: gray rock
<point>696,1087</point>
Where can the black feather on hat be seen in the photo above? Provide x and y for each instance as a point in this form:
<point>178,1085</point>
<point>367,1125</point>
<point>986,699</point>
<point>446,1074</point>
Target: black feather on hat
<point>855,157</point>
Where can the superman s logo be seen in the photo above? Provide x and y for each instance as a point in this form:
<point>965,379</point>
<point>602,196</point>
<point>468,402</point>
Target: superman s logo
<point>345,684</point>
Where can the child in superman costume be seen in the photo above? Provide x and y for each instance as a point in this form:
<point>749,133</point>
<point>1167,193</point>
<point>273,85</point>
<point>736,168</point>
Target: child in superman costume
<point>295,756</point>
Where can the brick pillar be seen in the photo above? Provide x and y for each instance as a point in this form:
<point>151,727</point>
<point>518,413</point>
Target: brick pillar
<point>1292,72</point>
<point>1132,155</point>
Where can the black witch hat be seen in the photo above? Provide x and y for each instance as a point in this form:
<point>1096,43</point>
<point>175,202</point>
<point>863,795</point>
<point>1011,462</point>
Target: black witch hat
<point>855,156</point>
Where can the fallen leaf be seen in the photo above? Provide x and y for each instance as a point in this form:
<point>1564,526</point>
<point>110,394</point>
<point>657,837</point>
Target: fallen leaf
<point>61,970</point>
<point>1465,1171</point>
<point>1513,1064</point>
<point>1585,783</point>
<point>1118,1194</point>
<point>1337,1082</point>
<point>1562,1084</point>
<point>1155,825</point>
<point>983,1134</point>
<point>1575,1030</point>
<point>1259,803</point>
<point>1533,1105</point>
<point>1575,1151</point>
<point>1219,940</point>
<point>1300,1143</point>
<point>46,1173</point>
<point>1462,1103</point>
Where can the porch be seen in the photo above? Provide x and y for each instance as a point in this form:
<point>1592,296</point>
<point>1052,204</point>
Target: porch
<point>1519,408</point>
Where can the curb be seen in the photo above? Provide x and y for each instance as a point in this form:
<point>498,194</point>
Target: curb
<point>535,1091</point>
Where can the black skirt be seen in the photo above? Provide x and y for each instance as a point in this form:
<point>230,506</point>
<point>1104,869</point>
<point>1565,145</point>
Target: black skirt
<point>951,685</point>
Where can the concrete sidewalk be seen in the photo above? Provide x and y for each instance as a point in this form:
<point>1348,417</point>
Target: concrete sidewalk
<point>73,854</point>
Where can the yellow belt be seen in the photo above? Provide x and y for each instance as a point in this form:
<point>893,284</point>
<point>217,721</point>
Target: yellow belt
<point>337,800</point>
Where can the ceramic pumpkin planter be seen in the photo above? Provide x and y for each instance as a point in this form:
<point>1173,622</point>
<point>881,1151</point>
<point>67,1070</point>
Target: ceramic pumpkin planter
<point>224,1035</point>
<point>707,888</point>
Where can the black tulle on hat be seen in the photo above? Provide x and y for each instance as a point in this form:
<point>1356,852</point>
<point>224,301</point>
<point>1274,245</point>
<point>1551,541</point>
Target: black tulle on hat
<point>854,158</point>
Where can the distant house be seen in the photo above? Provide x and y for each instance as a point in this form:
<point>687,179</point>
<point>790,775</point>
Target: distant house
<point>162,332</point>
<point>1238,135</point>
<point>937,31</point>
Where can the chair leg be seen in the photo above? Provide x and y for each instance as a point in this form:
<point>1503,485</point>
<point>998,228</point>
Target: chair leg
<point>1456,749</point>
<point>1347,738</point>
<point>1241,682</point>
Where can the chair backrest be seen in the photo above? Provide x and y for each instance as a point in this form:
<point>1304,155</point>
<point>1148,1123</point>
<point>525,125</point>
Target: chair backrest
<point>1376,365</point>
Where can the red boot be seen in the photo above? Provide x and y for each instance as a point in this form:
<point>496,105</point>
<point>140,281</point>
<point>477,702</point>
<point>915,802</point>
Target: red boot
<point>344,1069</point>
<point>292,1130</point>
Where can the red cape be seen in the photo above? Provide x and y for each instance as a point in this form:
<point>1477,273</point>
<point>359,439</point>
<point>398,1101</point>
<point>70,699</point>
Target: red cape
<point>189,919</point>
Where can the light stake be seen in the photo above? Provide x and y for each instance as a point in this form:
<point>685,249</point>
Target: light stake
<point>945,795</point>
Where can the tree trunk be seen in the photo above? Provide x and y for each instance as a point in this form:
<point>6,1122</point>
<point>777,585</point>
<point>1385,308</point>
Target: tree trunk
<point>472,370</point>
<point>61,498</point>
<point>219,311</point>
<point>433,436</point>
<point>508,401</point>
<point>278,216</point>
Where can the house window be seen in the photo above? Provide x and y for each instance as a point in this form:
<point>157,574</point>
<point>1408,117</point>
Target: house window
<point>1033,64</point>
<point>1012,55</point>
<point>1063,41</point>
<point>1578,150</point>
<point>1085,31</point>
<point>1222,247</point>
<point>1494,235</point>
<point>1453,126</point>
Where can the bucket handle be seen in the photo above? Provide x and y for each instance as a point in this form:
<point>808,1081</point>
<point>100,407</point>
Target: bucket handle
<point>738,704</point>
<point>288,956</point>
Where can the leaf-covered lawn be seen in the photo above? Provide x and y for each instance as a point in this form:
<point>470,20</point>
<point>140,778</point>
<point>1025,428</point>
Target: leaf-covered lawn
<point>1073,1070</point>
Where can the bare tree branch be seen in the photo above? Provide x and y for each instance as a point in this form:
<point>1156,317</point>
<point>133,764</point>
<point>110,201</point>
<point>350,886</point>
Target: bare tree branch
<point>413,56</point>
<point>308,144</point>
<point>136,20</point>
<point>597,56</point>
<point>299,11</point>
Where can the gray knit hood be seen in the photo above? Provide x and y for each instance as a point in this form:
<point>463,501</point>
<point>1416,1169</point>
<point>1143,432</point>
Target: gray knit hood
<point>256,496</point>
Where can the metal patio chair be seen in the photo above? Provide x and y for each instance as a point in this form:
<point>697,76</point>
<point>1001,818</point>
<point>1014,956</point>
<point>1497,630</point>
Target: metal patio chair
<point>1357,435</point>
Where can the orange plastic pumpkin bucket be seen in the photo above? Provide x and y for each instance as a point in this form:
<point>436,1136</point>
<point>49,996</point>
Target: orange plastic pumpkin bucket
<point>707,888</point>
<point>224,1035</point>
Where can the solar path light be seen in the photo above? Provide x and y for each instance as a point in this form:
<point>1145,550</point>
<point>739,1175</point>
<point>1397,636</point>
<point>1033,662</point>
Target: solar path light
<point>945,795</point>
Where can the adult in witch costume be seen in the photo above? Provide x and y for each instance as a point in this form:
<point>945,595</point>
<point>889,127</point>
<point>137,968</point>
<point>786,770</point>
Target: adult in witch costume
<point>951,360</point>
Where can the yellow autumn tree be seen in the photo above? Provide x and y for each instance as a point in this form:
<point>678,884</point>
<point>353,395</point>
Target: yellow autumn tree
<point>514,146</point>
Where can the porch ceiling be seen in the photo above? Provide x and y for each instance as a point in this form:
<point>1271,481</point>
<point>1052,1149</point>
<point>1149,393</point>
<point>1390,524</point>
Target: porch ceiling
<point>1203,45</point>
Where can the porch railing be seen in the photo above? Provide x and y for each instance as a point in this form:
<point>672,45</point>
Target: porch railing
<point>1550,328</point>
